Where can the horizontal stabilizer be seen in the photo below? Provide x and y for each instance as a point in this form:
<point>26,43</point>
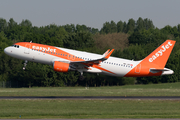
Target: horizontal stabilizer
<point>164,71</point>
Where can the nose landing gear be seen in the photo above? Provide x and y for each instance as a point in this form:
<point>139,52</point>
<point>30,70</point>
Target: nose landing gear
<point>25,63</point>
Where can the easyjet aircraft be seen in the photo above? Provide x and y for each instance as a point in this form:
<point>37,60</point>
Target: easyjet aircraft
<point>64,60</point>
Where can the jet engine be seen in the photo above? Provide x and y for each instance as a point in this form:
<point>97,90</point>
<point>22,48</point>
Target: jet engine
<point>61,66</point>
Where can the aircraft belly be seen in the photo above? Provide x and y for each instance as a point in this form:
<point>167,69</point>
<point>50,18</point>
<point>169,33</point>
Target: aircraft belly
<point>114,71</point>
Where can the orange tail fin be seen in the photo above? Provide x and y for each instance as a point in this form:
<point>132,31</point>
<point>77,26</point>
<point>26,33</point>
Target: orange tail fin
<point>153,64</point>
<point>161,54</point>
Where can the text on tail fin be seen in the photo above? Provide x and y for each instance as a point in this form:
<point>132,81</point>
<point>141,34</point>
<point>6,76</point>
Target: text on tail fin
<point>160,52</point>
<point>160,55</point>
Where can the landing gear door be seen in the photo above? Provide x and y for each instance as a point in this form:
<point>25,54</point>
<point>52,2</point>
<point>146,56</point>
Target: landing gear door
<point>27,48</point>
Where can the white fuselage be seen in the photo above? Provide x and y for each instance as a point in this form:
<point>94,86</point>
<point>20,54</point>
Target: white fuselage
<point>117,66</point>
<point>64,60</point>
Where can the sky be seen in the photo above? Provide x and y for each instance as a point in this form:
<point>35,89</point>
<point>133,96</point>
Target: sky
<point>92,13</point>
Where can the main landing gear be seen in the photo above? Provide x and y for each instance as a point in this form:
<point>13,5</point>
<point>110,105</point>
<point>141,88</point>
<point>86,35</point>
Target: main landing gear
<point>25,63</point>
<point>81,77</point>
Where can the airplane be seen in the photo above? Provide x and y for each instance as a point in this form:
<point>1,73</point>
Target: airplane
<point>64,60</point>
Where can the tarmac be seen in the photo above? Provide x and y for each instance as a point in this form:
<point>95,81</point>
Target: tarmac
<point>95,97</point>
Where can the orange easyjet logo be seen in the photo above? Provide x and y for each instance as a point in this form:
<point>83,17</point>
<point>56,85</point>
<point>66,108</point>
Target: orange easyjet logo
<point>44,49</point>
<point>160,52</point>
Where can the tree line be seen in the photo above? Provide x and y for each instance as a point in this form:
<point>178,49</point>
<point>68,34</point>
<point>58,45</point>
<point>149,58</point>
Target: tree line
<point>131,40</point>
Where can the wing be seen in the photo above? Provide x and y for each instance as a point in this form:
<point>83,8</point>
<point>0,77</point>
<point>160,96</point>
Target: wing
<point>106,55</point>
<point>88,65</point>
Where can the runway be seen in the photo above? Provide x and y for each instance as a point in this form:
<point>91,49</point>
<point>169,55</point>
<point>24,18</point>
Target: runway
<point>94,97</point>
<point>98,119</point>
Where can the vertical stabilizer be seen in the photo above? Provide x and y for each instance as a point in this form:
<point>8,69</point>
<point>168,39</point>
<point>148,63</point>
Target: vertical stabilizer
<point>153,64</point>
<point>161,54</point>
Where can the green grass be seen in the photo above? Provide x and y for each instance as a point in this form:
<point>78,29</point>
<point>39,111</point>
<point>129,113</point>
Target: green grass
<point>49,108</point>
<point>89,108</point>
<point>167,89</point>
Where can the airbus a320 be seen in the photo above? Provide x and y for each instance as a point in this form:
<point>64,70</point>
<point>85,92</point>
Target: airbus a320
<point>64,60</point>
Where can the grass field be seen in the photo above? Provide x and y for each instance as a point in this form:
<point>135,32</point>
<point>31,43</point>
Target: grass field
<point>167,89</point>
<point>40,108</point>
<point>89,108</point>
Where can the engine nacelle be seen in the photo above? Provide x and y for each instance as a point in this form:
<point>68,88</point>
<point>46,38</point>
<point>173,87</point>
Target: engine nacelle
<point>61,66</point>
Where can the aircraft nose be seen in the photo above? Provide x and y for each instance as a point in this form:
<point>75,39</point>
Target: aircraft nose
<point>7,50</point>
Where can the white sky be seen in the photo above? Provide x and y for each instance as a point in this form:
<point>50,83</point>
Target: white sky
<point>92,13</point>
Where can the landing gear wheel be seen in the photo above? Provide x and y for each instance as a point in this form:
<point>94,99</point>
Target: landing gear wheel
<point>24,68</point>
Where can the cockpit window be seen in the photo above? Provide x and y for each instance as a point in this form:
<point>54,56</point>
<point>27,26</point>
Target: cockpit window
<point>17,46</point>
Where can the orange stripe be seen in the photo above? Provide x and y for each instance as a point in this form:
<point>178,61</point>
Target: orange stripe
<point>100,68</point>
<point>51,50</point>
<point>56,50</point>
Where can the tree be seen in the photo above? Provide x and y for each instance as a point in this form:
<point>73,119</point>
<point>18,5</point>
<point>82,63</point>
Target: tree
<point>148,24</point>
<point>139,24</point>
<point>26,23</point>
<point>3,24</point>
<point>124,27</point>
<point>109,27</point>
<point>70,28</point>
<point>12,23</point>
<point>130,25</point>
<point>120,26</point>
